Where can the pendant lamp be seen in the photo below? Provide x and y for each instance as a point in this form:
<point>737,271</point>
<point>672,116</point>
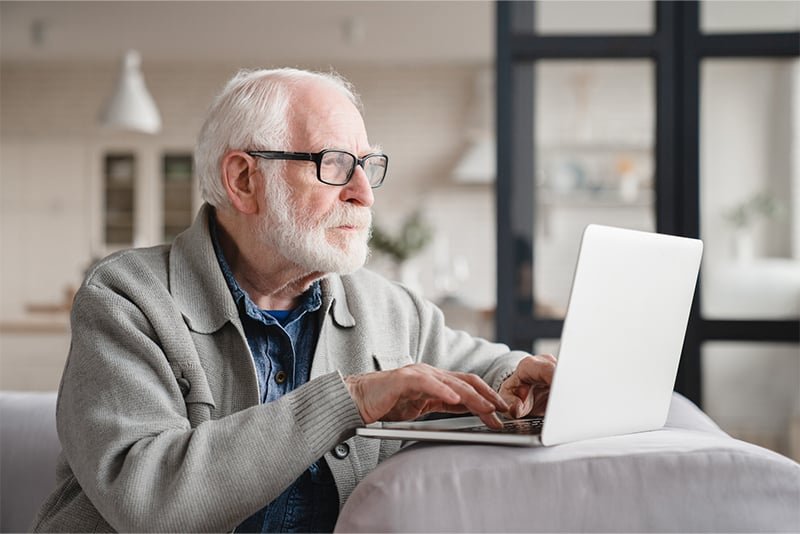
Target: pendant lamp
<point>131,107</point>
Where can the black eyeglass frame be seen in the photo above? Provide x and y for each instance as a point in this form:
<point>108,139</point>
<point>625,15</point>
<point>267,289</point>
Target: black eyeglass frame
<point>316,157</point>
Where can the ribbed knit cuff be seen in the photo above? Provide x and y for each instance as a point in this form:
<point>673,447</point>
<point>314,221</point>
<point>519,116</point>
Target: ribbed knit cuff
<point>503,377</point>
<point>328,415</point>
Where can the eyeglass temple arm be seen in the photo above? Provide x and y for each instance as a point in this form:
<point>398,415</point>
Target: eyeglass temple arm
<point>299,156</point>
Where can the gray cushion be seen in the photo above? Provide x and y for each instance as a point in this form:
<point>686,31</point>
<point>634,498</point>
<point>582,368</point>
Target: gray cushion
<point>689,476</point>
<point>29,448</point>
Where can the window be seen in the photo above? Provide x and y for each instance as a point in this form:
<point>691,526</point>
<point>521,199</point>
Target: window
<point>708,122</point>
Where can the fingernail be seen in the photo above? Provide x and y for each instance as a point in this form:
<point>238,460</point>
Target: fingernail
<point>498,423</point>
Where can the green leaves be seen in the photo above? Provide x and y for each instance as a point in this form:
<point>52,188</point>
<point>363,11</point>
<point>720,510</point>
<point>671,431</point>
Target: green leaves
<point>413,236</point>
<point>761,205</point>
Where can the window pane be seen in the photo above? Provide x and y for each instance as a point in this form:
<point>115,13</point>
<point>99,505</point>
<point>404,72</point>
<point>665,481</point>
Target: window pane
<point>750,188</point>
<point>177,182</point>
<point>752,391</point>
<point>594,162</point>
<point>749,16</point>
<point>595,17</point>
<point>119,175</point>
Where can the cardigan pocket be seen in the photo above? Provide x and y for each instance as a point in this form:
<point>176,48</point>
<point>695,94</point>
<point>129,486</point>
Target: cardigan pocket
<point>387,362</point>
<point>193,384</point>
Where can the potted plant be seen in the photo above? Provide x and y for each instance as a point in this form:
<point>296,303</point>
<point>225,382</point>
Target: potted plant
<point>744,216</point>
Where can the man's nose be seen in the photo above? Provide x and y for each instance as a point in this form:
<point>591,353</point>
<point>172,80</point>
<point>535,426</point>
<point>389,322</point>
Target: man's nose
<point>358,189</point>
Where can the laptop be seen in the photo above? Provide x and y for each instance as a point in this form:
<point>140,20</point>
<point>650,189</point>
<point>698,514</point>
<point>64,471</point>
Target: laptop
<point>620,346</point>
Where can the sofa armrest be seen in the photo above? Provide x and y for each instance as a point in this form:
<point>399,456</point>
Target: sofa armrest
<point>688,476</point>
<point>29,448</point>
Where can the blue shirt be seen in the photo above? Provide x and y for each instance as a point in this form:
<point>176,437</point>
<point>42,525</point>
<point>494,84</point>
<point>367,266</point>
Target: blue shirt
<point>282,343</point>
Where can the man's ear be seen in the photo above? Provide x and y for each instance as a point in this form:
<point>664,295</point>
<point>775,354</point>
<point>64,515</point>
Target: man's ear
<point>241,177</point>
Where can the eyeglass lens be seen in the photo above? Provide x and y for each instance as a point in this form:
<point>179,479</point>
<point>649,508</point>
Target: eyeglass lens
<point>336,167</point>
<point>375,167</point>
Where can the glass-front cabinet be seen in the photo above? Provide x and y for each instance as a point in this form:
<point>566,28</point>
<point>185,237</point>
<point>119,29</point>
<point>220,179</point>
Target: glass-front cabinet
<point>676,117</point>
<point>178,186</point>
<point>148,197</point>
<point>119,186</point>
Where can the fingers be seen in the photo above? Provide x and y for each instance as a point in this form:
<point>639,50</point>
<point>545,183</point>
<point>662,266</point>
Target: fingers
<point>536,369</point>
<point>475,396</point>
<point>474,387</point>
<point>472,392</point>
<point>426,380</point>
<point>479,399</point>
<point>527,389</point>
<point>414,390</point>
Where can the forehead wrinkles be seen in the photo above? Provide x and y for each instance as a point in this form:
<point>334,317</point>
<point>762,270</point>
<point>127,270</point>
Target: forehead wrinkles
<point>325,118</point>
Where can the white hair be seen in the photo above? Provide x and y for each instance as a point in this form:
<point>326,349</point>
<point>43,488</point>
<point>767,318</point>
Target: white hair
<point>251,113</point>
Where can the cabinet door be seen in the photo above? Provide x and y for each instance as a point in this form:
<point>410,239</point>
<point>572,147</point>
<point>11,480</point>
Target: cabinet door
<point>178,184</point>
<point>119,185</point>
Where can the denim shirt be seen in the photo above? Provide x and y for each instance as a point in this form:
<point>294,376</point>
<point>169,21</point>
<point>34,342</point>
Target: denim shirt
<point>283,344</point>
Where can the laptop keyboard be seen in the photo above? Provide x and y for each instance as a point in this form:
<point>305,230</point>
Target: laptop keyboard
<point>527,426</point>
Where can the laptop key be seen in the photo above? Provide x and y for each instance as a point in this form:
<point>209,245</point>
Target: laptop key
<point>528,425</point>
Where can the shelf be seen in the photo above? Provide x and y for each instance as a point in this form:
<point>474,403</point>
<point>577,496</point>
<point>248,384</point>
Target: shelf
<point>602,147</point>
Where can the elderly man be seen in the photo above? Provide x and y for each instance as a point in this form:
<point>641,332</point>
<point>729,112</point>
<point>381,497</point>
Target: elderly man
<point>216,383</point>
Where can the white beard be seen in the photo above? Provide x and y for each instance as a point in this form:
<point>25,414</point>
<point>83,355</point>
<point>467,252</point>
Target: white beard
<point>304,241</point>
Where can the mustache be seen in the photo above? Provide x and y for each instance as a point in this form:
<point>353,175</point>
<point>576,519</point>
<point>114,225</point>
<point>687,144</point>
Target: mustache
<point>346,215</point>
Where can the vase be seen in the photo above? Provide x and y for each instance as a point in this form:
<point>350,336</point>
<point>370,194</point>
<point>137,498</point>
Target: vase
<point>743,245</point>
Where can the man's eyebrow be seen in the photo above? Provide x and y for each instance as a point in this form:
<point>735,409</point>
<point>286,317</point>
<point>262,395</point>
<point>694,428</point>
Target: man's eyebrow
<point>373,149</point>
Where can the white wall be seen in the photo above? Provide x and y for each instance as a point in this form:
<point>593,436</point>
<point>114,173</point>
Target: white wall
<point>52,153</point>
<point>51,193</point>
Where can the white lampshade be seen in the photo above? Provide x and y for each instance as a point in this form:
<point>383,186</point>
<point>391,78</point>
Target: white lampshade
<point>131,107</point>
<point>478,163</point>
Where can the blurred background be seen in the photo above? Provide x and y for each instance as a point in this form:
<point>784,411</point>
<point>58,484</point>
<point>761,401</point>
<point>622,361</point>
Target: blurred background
<point>680,117</point>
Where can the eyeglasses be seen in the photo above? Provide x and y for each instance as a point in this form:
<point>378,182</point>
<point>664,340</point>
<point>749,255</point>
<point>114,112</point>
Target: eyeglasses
<point>335,167</point>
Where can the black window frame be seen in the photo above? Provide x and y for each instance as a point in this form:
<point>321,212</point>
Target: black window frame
<point>677,47</point>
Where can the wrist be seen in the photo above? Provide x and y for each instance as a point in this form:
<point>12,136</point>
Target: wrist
<point>354,387</point>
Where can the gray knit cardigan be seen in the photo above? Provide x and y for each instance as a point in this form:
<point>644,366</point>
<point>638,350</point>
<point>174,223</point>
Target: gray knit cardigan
<point>158,410</point>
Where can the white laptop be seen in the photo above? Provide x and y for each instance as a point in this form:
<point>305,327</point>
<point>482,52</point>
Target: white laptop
<point>620,346</point>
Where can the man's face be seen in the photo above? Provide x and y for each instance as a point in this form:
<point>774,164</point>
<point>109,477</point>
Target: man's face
<point>319,227</point>
<point>330,242</point>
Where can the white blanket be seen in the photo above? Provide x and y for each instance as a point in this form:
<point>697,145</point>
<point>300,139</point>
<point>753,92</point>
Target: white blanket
<point>689,476</point>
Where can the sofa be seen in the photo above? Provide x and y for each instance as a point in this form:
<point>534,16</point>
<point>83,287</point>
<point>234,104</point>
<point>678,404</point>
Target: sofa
<point>28,451</point>
<point>688,476</point>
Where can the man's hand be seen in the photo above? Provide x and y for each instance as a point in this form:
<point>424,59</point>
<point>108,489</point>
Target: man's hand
<point>414,390</point>
<point>527,390</point>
